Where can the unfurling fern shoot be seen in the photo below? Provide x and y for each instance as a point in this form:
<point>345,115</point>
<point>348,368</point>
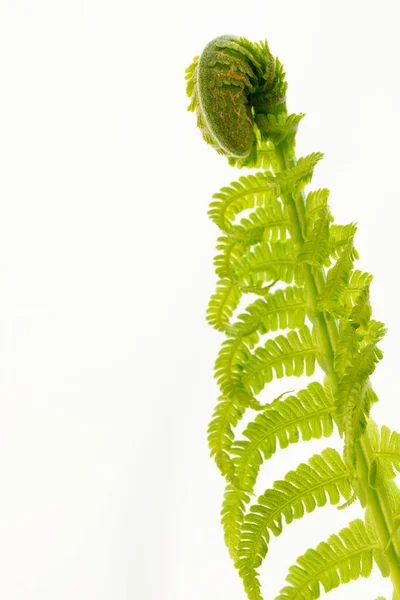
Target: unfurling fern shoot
<point>306,294</point>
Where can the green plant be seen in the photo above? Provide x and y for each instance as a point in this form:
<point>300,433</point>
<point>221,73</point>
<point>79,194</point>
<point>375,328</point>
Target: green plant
<point>297,267</point>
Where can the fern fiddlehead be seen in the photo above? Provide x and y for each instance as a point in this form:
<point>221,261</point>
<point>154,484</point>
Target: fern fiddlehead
<point>298,267</point>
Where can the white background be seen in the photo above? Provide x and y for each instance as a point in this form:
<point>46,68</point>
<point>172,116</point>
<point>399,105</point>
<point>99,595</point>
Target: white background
<point>107,491</point>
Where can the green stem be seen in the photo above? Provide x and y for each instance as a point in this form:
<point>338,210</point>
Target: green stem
<point>327,328</point>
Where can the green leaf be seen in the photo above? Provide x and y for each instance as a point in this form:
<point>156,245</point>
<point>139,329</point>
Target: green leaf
<point>355,397</point>
<point>270,261</point>
<point>339,238</point>
<point>358,281</point>
<point>278,127</point>
<point>343,558</point>
<point>230,252</point>
<point>311,485</point>
<point>316,247</point>
<point>293,354</point>
<point>336,282</point>
<point>233,508</point>
<point>249,191</point>
<point>316,200</point>
<point>222,304</point>
<point>283,309</point>
<point>356,330</point>
<point>262,155</point>
<point>227,414</point>
<point>296,178</point>
<point>230,363</point>
<point>361,313</point>
<point>268,223</point>
<point>386,454</point>
<point>307,415</point>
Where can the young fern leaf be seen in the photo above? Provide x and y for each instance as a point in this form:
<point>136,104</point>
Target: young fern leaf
<point>238,91</point>
<point>343,558</point>
<point>315,201</point>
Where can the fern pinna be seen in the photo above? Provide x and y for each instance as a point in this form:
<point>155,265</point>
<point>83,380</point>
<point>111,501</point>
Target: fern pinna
<point>297,270</point>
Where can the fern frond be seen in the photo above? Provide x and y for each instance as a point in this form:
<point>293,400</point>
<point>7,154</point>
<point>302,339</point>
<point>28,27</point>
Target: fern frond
<point>324,478</point>
<point>343,558</point>
<point>300,175</point>
<point>283,309</point>
<point>222,304</point>
<point>270,261</point>
<point>288,355</point>
<point>249,191</point>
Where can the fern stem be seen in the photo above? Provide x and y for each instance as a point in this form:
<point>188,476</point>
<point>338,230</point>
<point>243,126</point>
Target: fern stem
<point>378,500</point>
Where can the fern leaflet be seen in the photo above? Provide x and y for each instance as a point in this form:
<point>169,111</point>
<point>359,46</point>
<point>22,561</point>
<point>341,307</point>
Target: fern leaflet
<point>293,354</point>
<point>250,191</point>
<point>310,485</point>
<point>343,558</point>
